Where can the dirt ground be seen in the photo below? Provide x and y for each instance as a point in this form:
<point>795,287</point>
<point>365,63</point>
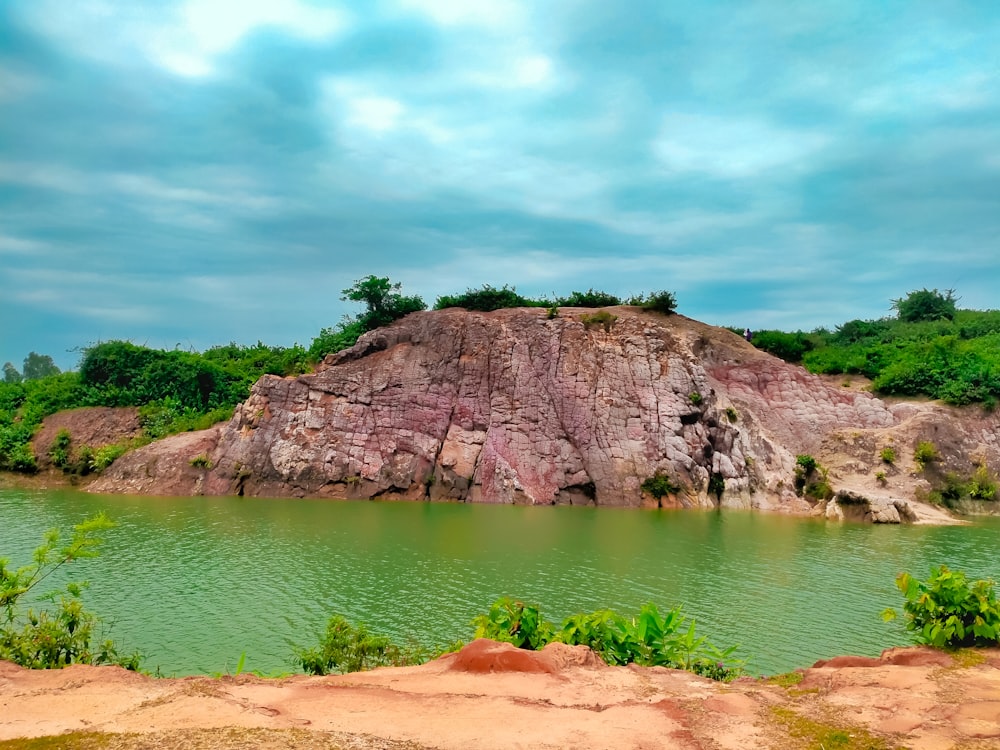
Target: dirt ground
<point>493,696</point>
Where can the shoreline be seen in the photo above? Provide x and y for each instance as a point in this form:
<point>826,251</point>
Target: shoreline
<point>492,695</point>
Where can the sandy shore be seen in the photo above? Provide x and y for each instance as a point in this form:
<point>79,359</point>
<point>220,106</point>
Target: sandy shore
<point>491,696</point>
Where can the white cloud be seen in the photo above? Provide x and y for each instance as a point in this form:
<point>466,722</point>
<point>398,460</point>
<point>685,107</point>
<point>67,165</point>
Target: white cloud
<point>731,147</point>
<point>495,14</point>
<point>185,40</point>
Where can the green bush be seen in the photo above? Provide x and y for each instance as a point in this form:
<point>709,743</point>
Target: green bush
<point>662,302</point>
<point>790,347</point>
<point>50,639</point>
<point>811,479</point>
<point>649,639</point>
<point>925,452</point>
<point>926,304</point>
<point>589,298</point>
<point>486,299</point>
<point>659,485</point>
<point>888,455</point>
<point>947,612</point>
<point>511,621</point>
<point>348,648</point>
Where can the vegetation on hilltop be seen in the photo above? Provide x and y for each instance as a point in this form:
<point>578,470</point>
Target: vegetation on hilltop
<point>178,391</point>
<point>930,348</point>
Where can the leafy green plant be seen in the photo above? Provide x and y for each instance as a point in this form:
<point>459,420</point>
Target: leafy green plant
<point>731,414</point>
<point>649,639</point>
<point>811,479</point>
<point>880,478</point>
<point>947,611</point>
<point>659,485</point>
<point>344,647</point>
<point>662,302</point>
<point>512,621</point>
<point>925,452</point>
<point>59,452</point>
<point>552,312</point>
<point>926,304</point>
<point>589,298</point>
<point>65,634</point>
<point>695,398</point>
<point>201,462</point>
<point>888,455</point>
<point>486,299</point>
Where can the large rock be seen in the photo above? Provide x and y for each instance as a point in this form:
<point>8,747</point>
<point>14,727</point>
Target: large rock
<point>512,407</point>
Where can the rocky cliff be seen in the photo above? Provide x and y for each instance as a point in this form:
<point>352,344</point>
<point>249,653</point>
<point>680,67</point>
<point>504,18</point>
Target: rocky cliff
<point>514,407</point>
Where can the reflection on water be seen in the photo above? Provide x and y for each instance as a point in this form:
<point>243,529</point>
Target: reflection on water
<point>194,582</point>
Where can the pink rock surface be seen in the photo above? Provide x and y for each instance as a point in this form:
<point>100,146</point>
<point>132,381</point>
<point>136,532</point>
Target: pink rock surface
<point>512,407</point>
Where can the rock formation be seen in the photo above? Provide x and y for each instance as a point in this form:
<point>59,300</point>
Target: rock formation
<point>514,407</point>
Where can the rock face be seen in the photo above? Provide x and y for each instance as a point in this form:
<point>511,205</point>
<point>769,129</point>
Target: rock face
<point>513,407</point>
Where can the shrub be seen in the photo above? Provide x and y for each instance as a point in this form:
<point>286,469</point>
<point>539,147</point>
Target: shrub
<point>695,398</point>
<point>811,479</point>
<point>485,299</point>
<point>661,302</point>
<point>888,455</point>
<point>602,318</point>
<point>731,414</point>
<point>660,485</point>
<point>924,304</point>
<point>948,612</point>
<point>806,463</point>
<point>512,621</point>
<point>201,462</point>
<point>59,452</point>
<point>47,639</point>
<point>348,648</point>
<point>589,298</point>
<point>716,485</point>
<point>790,347</point>
<point>880,478</point>
<point>383,302</point>
<point>650,639</point>
<point>925,453</point>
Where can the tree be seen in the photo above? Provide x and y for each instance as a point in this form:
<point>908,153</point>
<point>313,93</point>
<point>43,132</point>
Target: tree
<point>10,373</point>
<point>383,301</point>
<point>37,366</point>
<point>926,304</point>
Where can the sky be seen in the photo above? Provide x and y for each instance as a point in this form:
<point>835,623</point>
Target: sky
<point>188,174</point>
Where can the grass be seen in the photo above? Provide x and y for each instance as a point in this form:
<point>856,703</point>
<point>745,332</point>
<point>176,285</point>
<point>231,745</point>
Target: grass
<point>787,679</point>
<point>224,738</point>
<point>808,734</point>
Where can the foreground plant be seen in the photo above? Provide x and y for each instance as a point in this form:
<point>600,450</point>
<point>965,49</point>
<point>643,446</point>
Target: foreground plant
<point>344,647</point>
<point>64,633</point>
<point>649,639</point>
<point>948,612</point>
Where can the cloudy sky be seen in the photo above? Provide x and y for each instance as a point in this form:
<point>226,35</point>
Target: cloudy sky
<point>197,172</point>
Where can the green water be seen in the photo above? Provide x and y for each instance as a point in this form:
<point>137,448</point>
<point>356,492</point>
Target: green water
<point>194,582</point>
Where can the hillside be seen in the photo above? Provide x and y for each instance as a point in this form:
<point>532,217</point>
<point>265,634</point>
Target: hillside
<point>514,406</point>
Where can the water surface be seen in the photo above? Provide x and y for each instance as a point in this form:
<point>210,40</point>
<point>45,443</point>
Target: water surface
<point>195,582</point>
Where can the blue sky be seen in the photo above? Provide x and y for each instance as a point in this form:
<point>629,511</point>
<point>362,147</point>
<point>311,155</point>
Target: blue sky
<point>194,173</point>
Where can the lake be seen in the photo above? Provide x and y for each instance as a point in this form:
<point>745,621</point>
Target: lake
<point>195,582</point>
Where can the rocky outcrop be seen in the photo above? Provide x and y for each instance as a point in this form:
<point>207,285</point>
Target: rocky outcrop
<point>514,407</point>
<point>851,506</point>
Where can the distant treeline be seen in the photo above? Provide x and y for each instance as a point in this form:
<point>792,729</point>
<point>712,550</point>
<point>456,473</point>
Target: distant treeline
<point>930,348</point>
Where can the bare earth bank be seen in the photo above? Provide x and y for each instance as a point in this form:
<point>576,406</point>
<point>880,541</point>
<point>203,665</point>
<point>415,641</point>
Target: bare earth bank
<point>494,696</point>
